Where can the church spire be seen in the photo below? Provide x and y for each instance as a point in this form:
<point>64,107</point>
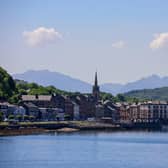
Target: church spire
<point>96,82</point>
<point>95,91</point>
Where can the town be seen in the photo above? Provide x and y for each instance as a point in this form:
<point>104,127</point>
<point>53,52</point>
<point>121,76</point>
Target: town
<point>84,107</point>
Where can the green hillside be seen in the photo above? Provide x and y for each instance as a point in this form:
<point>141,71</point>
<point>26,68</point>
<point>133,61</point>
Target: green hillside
<point>7,85</point>
<point>149,94</point>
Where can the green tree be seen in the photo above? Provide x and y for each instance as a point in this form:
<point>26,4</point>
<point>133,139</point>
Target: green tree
<point>107,96</point>
<point>7,85</point>
<point>19,117</point>
<point>32,118</point>
<point>11,117</point>
<point>1,116</point>
<point>22,92</point>
<point>23,86</point>
<point>121,98</point>
<point>26,117</point>
<point>14,99</point>
<point>40,91</point>
<point>32,85</point>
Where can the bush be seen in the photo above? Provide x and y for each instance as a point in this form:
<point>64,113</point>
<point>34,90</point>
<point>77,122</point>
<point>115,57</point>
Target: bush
<point>32,118</point>
<point>1,116</point>
<point>19,117</point>
<point>11,117</point>
<point>26,117</point>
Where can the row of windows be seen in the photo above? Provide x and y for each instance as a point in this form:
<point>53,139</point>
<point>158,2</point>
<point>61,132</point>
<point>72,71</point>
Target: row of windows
<point>158,111</point>
<point>161,106</point>
<point>3,107</point>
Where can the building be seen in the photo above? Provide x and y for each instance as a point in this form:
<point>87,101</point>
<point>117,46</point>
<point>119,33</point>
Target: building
<point>154,111</point>
<point>51,114</point>
<point>99,113</point>
<point>111,111</point>
<point>146,112</point>
<point>4,109</point>
<point>16,110</point>
<point>43,106</point>
<point>44,101</point>
<point>32,110</point>
<point>86,106</point>
<point>11,109</point>
<point>69,109</point>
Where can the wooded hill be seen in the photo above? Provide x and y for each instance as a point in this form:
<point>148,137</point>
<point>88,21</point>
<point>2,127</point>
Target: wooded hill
<point>149,94</point>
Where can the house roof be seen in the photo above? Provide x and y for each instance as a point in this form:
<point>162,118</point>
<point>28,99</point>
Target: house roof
<point>4,103</point>
<point>110,108</point>
<point>30,105</point>
<point>156,102</point>
<point>133,105</point>
<point>36,98</point>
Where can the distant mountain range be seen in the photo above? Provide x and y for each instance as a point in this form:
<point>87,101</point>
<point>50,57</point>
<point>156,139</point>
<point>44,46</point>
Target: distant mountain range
<point>150,82</point>
<point>59,80</point>
<point>67,83</point>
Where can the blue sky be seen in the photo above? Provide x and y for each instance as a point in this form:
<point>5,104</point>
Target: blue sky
<point>75,37</point>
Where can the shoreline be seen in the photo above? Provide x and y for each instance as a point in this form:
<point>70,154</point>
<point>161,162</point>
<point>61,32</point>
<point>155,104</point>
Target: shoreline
<point>32,128</point>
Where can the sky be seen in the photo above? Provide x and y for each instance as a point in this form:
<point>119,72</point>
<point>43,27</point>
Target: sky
<point>124,40</point>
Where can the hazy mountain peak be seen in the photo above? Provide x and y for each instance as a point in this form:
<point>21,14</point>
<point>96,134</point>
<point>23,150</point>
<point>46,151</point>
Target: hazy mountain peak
<point>153,76</point>
<point>59,80</point>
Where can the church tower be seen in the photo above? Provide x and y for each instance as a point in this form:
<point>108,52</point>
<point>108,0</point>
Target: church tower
<point>95,91</point>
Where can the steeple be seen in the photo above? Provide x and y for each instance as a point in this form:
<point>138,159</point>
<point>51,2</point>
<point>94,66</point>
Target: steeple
<point>95,91</point>
<point>96,83</point>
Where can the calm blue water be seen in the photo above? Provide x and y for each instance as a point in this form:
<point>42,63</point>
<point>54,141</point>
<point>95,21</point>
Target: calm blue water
<point>85,150</point>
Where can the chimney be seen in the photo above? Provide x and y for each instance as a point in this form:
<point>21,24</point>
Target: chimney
<point>36,96</point>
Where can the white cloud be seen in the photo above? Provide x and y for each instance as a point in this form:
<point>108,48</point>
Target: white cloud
<point>41,36</point>
<point>160,41</point>
<point>118,44</point>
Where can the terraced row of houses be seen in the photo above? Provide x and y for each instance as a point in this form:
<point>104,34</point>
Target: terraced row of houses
<point>150,111</point>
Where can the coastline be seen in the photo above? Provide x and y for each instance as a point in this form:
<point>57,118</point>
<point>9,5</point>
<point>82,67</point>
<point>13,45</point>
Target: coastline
<point>28,128</point>
<point>24,128</point>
